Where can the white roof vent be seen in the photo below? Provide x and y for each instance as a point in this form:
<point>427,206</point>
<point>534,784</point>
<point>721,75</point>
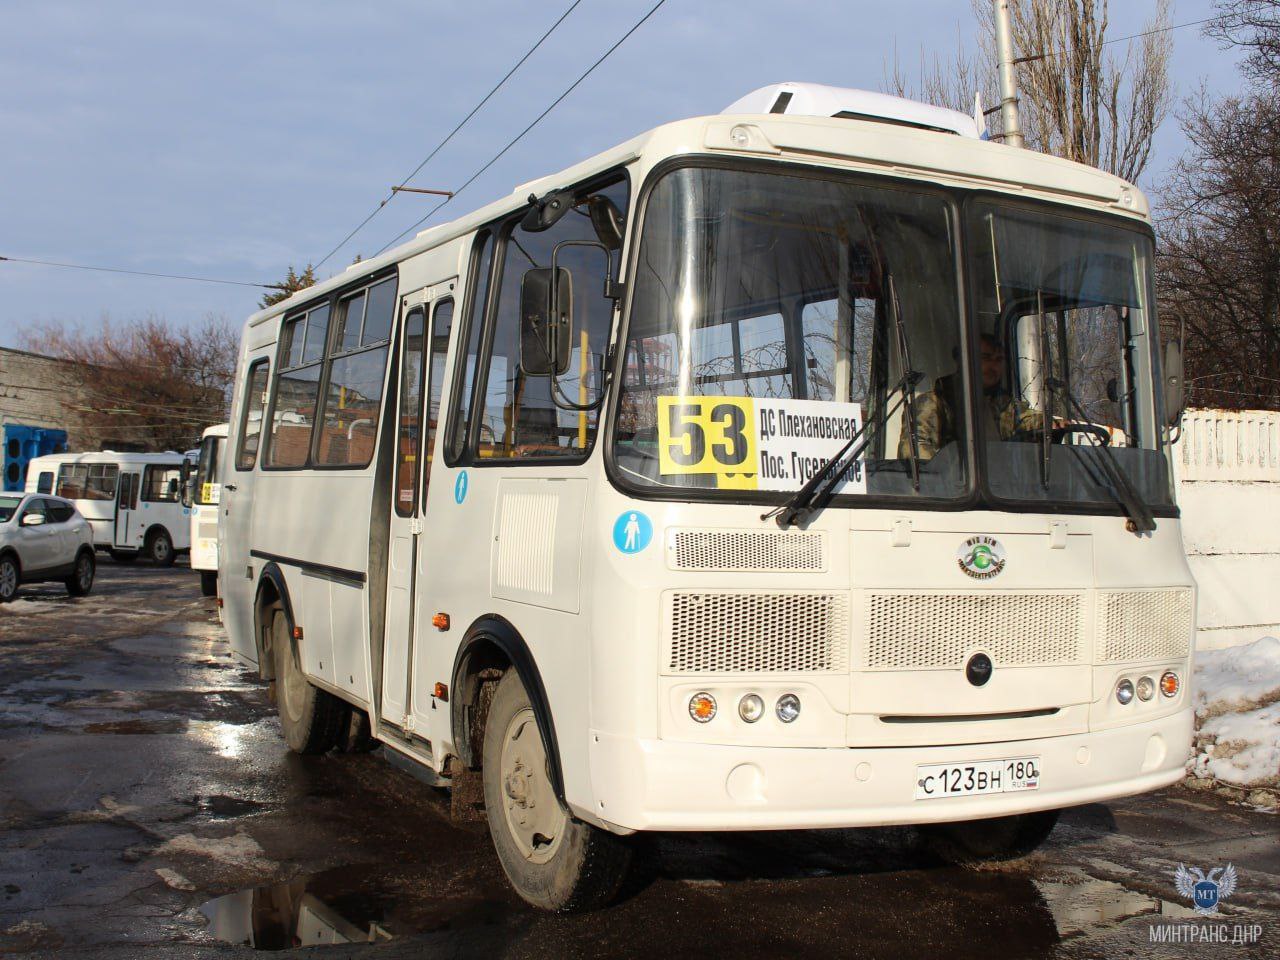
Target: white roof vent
<point>817,100</point>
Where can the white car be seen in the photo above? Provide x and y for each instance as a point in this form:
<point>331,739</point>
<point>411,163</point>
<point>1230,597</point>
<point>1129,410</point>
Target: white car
<point>43,538</point>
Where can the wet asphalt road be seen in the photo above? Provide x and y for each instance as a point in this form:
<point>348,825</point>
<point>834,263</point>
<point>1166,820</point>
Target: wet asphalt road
<point>142,776</point>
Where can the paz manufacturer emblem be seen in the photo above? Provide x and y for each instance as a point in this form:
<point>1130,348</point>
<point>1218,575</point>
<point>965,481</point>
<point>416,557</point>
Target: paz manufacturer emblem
<point>981,557</point>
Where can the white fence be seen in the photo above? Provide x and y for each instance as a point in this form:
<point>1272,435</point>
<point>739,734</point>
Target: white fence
<point>1228,469</point>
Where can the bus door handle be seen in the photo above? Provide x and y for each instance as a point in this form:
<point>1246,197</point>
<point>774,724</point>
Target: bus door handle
<point>228,486</point>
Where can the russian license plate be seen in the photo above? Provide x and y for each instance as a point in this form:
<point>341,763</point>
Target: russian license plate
<point>983,776</point>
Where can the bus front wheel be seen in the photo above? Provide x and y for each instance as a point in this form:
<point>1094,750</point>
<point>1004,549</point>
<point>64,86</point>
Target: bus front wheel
<point>552,860</point>
<point>160,548</point>
<point>310,718</point>
<point>208,583</point>
<point>992,840</point>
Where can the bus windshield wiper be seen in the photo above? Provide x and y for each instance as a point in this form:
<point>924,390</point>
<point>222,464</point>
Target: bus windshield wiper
<point>1140,517</point>
<point>820,488</point>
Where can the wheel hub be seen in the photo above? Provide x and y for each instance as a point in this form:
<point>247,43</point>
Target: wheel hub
<point>534,816</point>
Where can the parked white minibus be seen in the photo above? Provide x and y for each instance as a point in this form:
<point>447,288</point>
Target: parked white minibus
<point>802,466</point>
<point>131,500</point>
<point>201,493</point>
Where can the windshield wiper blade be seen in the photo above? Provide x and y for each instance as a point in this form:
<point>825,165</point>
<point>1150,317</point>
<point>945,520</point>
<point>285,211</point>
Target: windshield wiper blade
<point>1141,520</point>
<point>909,385</point>
<point>817,491</point>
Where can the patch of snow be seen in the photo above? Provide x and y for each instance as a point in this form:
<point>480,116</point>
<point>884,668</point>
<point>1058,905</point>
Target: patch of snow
<point>1237,699</point>
<point>174,880</point>
<point>240,849</point>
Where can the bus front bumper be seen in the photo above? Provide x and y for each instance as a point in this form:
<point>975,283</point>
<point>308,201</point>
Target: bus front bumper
<point>673,785</point>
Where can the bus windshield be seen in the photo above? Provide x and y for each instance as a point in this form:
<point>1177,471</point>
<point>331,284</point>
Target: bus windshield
<point>1067,338</point>
<point>207,470</point>
<point>776,314</point>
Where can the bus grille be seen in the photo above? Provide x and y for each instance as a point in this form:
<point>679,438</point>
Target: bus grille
<point>913,631</point>
<point>743,550</point>
<point>1139,625</point>
<point>752,632</point>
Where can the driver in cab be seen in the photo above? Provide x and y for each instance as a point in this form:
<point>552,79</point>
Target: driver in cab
<point>1006,417</point>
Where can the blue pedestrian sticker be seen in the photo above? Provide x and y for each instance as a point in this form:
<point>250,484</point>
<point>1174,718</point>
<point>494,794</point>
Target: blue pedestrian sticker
<point>632,532</point>
<point>460,488</point>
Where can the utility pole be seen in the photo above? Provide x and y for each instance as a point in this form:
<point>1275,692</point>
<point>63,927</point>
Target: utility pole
<point>1008,82</point>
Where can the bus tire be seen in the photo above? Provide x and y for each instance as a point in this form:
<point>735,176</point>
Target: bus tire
<point>81,580</point>
<point>310,718</point>
<point>159,547</point>
<point>124,556</point>
<point>208,583</point>
<point>992,840</point>
<point>553,861</point>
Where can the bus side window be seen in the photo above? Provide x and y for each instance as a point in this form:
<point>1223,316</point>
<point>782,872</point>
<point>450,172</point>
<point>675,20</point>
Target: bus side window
<point>409,430</point>
<point>458,438</point>
<point>521,418</point>
<point>251,415</point>
<point>44,484</point>
<point>441,325</point>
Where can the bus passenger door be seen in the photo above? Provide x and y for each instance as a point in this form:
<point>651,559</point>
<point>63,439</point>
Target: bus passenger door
<point>427,315</point>
<point>126,504</point>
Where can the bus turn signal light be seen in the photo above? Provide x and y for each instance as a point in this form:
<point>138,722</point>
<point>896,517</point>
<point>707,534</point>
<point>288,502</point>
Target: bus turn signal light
<point>440,621</point>
<point>297,633</point>
<point>441,692</point>
<point>702,707</point>
<point>1169,684</point>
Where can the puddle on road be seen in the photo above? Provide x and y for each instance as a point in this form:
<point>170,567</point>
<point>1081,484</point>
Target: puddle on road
<point>347,905</point>
<point>1085,905</point>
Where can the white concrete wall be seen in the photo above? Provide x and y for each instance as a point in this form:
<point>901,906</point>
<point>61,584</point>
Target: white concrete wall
<point>1227,465</point>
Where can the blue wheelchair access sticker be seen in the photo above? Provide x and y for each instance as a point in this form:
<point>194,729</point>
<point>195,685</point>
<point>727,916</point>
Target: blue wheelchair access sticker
<point>460,488</point>
<point>632,531</point>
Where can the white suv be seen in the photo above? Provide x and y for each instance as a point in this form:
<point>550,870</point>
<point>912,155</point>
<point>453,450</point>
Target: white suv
<point>43,538</point>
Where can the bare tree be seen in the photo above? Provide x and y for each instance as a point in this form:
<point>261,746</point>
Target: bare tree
<point>1077,100</point>
<point>144,385</point>
<point>1253,25</point>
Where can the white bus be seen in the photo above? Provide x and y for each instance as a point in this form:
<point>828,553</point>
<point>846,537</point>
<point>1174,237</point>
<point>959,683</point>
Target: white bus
<point>131,500</point>
<point>750,475</point>
<point>200,494</point>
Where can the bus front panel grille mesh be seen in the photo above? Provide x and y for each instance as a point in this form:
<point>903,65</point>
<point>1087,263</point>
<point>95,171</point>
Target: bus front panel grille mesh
<point>744,550</point>
<point>921,631</point>
<point>1140,625</point>
<point>756,632</point>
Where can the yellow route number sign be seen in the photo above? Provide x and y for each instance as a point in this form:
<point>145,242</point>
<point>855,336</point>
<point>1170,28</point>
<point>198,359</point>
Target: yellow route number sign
<point>753,443</point>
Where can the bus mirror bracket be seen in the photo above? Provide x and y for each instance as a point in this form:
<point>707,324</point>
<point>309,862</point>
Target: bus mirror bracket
<point>1174,397</point>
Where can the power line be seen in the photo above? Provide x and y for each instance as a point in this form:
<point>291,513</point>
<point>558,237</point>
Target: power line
<point>520,136</point>
<point>142,273</point>
<point>439,146</point>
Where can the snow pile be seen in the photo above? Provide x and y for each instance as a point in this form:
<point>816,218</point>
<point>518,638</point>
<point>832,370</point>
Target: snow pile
<point>1237,698</point>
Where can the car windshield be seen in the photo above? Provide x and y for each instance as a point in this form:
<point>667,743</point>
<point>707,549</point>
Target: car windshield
<point>1067,339</point>
<point>8,507</point>
<point>776,313</point>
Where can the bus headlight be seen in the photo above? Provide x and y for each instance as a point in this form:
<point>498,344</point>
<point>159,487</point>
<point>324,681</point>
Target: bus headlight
<point>1124,691</point>
<point>1146,689</point>
<point>702,707</point>
<point>1169,684</point>
<point>788,707</point>
<point>751,708</point>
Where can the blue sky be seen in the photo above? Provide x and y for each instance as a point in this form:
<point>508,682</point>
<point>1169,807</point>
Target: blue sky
<point>233,139</point>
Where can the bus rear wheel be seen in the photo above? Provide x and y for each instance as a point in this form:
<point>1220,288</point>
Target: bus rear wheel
<point>310,718</point>
<point>551,859</point>
<point>992,840</point>
<point>160,548</point>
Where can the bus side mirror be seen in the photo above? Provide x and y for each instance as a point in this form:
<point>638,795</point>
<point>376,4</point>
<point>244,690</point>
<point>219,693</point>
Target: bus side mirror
<point>546,328</point>
<point>1174,398</point>
<point>188,484</point>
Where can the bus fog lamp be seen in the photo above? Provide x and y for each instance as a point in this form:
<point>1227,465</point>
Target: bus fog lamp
<point>751,708</point>
<point>1146,689</point>
<point>1169,684</point>
<point>702,707</point>
<point>788,707</point>
<point>1124,691</point>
